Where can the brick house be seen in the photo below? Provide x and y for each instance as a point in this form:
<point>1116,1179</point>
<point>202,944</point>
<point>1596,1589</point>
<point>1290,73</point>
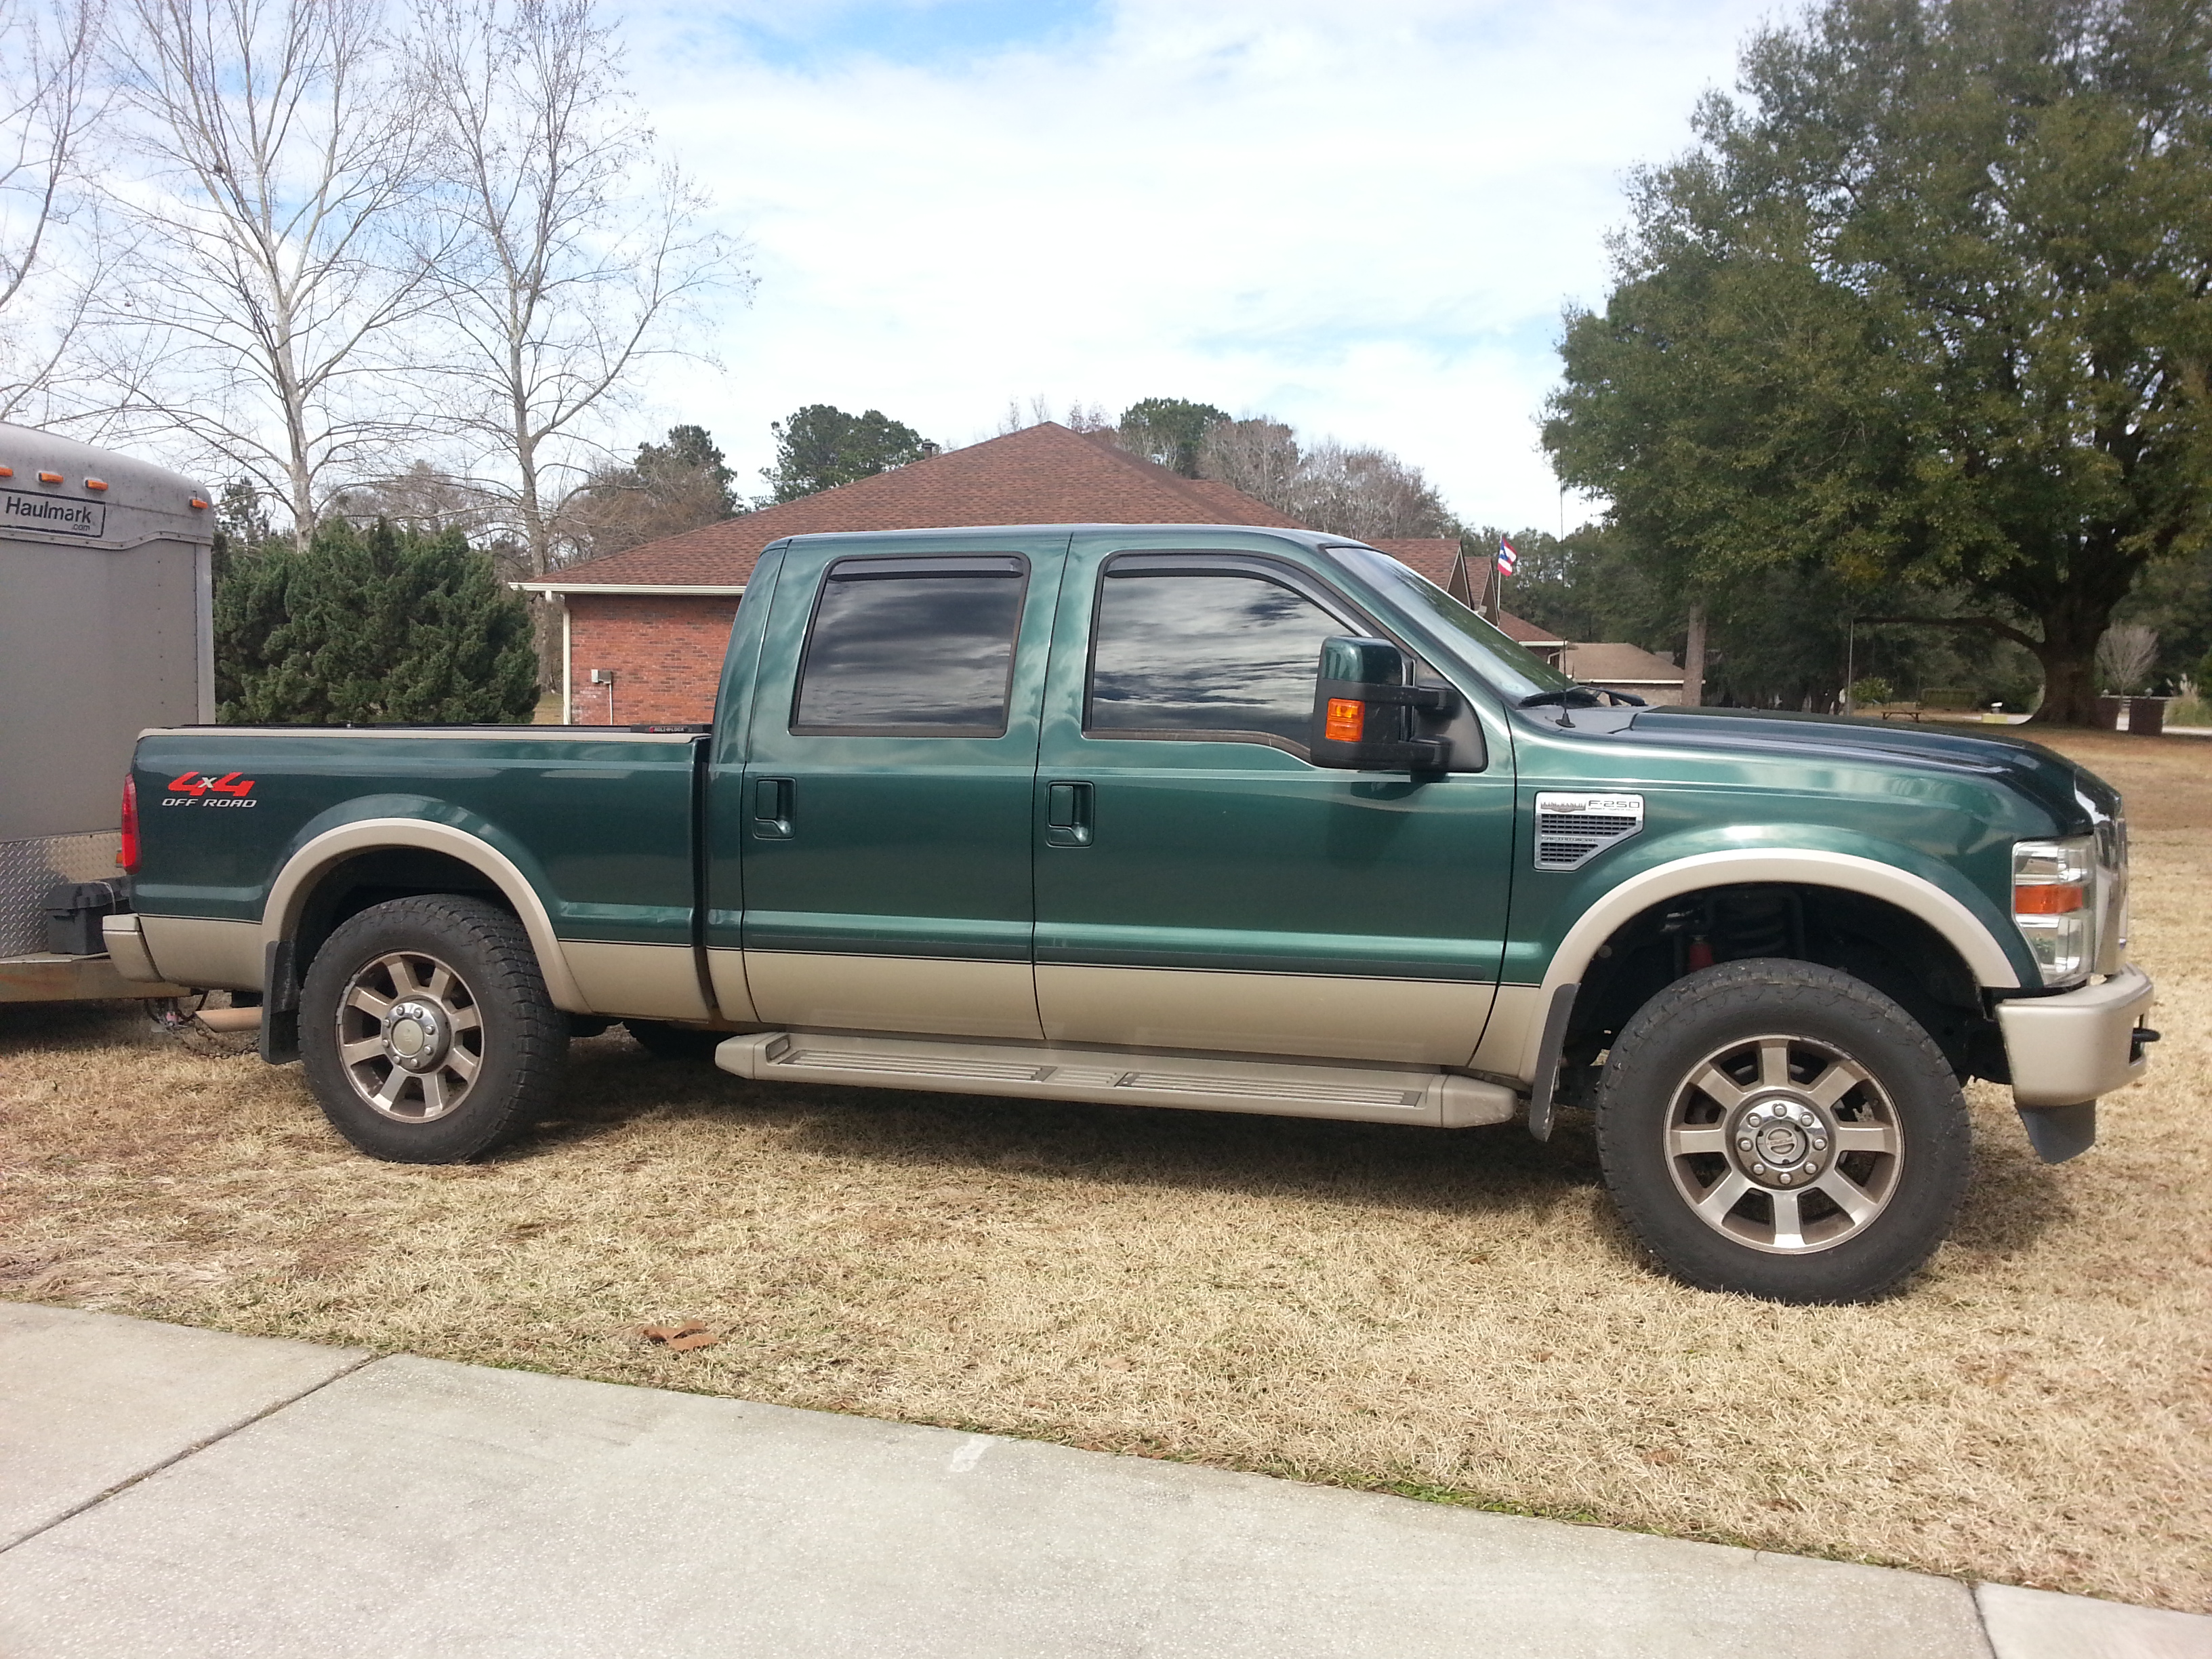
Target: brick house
<point>643,630</point>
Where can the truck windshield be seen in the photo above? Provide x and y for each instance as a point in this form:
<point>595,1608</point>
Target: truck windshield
<point>1513,669</point>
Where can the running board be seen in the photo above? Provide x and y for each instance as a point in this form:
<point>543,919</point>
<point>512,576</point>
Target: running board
<point>1442,1100</point>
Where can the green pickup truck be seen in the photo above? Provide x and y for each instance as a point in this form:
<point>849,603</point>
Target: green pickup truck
<point>1231,819</point>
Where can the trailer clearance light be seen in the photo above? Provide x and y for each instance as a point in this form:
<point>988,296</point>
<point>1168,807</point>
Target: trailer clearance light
<point>128,857</point>
<point>1348,719</point>
<point>7,471</point>
<point>49,478</point>
<point>198,506</point>
<point>93,483</point>
<point>2050,904</point>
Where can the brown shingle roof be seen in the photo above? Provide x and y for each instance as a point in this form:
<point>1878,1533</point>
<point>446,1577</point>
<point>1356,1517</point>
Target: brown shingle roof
<point>1525,633</point>
<point>1432,556</point>
<point>1043,475</point>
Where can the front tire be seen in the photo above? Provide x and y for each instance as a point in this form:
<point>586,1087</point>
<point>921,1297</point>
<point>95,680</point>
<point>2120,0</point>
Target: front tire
<point>1783,1130</point>
<point>426,1030</point>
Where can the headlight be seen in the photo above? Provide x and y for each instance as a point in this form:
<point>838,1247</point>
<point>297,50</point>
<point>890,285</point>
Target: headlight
<point>2053,903</point>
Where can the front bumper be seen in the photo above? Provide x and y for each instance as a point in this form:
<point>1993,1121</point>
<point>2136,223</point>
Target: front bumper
<point>2066,1050</point>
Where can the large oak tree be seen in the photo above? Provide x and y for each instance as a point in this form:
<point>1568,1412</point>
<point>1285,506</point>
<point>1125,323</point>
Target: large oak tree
<point>1931,304</point>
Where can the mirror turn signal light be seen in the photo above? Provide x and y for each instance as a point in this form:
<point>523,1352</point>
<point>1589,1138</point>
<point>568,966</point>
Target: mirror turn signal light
<point>2047,899</point>
<point>1347,719</point>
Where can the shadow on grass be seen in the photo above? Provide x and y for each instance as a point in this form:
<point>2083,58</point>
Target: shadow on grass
<point>611,1086</point>
<point>2012,1200</point>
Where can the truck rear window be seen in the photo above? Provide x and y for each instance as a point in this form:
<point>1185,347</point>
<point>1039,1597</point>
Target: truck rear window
<point>911,648</point>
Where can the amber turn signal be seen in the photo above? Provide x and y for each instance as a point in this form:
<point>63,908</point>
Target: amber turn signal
<point>1348,719</point>
<point>2051,899</point>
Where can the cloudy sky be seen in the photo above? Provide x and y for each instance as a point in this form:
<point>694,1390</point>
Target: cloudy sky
<point>1363,216</point>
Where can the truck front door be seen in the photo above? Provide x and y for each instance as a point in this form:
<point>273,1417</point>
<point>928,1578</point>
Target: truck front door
<point>885,803</point>
<point>1199,883</point>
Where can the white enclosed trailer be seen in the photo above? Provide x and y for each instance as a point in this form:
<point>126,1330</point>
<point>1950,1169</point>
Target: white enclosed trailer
<point>106,629</point>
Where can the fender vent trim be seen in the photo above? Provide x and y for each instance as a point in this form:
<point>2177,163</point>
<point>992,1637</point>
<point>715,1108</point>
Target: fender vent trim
<point>1572,829</point>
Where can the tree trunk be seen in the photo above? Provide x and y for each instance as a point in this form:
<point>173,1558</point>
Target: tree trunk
<point>2068,652</point>
<point>1693,658</point>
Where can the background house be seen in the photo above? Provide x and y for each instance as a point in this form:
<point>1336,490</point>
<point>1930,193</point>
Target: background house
<point>1624,668</point>
<point>643,630</point>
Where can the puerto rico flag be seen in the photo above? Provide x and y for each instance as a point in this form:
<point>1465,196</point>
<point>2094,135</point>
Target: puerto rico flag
<point>1508,560</point>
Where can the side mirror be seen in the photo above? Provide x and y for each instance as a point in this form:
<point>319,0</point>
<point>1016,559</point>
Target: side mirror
<point>1361,710</point>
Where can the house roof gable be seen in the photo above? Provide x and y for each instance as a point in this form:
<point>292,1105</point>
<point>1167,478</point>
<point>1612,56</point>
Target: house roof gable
<point>1042,474</point>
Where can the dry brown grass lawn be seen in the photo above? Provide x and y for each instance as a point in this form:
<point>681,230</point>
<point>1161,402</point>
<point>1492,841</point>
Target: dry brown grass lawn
<point>1455,1316</point>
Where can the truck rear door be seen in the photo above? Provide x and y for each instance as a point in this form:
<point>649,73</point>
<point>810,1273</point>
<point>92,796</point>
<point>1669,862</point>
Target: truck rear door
<point>884,807</point>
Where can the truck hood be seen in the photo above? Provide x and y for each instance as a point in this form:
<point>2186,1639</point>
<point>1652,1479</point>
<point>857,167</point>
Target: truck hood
<point>2073,795</point>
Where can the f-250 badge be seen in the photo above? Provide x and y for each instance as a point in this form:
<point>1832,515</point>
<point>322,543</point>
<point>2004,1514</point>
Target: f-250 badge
<point>199,789</point>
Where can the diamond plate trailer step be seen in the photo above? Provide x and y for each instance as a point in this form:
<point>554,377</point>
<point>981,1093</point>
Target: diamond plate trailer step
<point>1209,1083</point>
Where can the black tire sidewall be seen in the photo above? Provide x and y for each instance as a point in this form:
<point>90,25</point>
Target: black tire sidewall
<point>524,1035</point>
<point>1678,1028</point>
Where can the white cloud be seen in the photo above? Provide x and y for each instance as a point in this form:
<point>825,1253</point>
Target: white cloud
<point>1361,216</point>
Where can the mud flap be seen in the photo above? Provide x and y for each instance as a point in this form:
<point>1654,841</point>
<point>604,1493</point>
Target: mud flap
<point>280,1004</point>
<point>2059,1132</point>
<point>1547,1060</point>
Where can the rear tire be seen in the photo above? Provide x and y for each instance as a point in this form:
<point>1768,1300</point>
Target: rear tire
<point>426,1030</point>
<point>1781,1130</point>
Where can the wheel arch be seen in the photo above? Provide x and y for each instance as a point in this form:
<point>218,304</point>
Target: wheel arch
<point>324,858</point>
<point>1943,914</point>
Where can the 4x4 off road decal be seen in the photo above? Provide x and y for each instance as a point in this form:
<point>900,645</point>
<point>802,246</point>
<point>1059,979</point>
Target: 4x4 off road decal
<point>199,789</point>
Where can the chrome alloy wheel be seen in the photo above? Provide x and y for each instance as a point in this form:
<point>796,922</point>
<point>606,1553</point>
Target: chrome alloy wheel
<point>1783,1144</point>
<point>411,1037</point>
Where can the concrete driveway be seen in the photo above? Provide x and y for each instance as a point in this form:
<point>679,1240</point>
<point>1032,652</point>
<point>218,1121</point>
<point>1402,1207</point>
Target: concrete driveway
<point>171,1490</point>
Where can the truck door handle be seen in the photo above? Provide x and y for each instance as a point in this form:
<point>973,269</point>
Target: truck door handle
<point>1067,815</point>
<point>772,808</point>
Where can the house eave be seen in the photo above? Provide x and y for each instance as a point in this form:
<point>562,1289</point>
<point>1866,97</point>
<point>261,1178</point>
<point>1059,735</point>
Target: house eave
<point>635,589</point>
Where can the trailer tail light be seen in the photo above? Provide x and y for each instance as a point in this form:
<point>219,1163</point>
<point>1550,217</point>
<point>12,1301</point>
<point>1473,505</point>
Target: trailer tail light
<point>128,857</point>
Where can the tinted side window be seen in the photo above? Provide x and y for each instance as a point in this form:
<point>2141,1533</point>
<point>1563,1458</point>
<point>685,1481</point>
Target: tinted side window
<point>911,648</point>
<point>1190,654</point>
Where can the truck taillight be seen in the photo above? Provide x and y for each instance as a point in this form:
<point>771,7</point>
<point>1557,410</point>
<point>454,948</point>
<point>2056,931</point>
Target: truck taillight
<point>128,857</point>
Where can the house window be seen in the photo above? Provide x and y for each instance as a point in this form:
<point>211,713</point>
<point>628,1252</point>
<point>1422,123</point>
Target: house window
<point>911,648</point>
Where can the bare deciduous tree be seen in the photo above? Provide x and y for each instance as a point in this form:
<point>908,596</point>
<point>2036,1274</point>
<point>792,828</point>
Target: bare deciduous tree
<point>48,105</point>
<point>1258,456</point>
<point>269,282</point>
<point>561,276</point>
<point>2125,655</point>
<point>1088,418</point>
<point>1367,493</point>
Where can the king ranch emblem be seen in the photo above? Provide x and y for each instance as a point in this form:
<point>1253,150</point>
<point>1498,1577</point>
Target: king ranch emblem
<point>199,789</point>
